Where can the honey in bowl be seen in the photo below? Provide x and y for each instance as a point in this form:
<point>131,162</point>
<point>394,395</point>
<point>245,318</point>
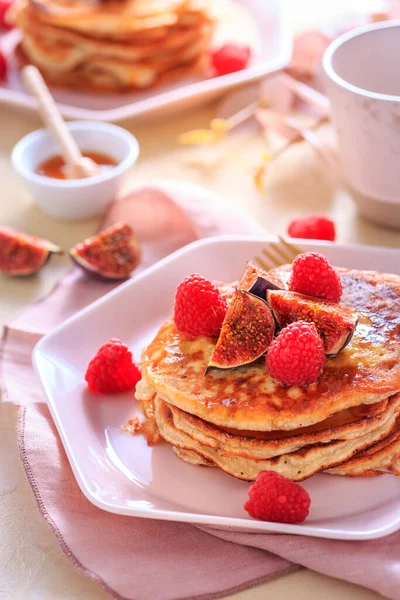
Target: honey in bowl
<point>54,166</point>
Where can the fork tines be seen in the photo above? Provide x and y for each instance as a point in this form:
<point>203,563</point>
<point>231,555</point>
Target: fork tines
<point>277,254</point>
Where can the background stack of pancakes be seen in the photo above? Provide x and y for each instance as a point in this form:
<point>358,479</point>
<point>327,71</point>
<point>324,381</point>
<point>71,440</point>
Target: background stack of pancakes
<point>114,45</point>
<point>240,420</point>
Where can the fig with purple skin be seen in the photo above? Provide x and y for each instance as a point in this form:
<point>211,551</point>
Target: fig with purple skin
<point>112,254</point>
<point>22,254</point>
<point>335,323</point>
<point>257,281</point>
<point>250,276</point>
<point>247,331</point>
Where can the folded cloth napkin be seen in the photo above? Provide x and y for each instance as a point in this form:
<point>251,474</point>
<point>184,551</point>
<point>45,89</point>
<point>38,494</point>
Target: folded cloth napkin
<point>144,559</point>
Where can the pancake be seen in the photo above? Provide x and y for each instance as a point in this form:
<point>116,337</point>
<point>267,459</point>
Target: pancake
<point>66,49</point>
<point>296,466</point>
<point>114,46</point>
<point>381,458</point>
<point>118,20</point>
<point>346,425</point>
<point>98,77</point>
<point>192,458</point>
<point>367,371</point>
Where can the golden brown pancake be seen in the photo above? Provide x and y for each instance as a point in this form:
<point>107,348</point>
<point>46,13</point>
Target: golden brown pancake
<point>116,19</point>
<point>66,49</point>
<point>345,425</point>
<point>296,466</point>
<point>381,458</point>
<point>114,45</point>
<point>246,398</point>
<point>98,77</point>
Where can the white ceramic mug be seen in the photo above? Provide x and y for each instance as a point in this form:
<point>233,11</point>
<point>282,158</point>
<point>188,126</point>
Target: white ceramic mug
<point>363,78</point>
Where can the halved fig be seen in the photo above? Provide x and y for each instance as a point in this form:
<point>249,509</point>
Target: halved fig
<point>334,323</point>
<point>250,276</point>
<point>261,286</point>
<point>22,254</point>
<point>257,281</point>
<point>112,254</point>
<point>247,331</point>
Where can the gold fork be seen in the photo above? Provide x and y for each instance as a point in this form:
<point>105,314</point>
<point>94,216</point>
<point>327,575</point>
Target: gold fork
<point>277,254</point>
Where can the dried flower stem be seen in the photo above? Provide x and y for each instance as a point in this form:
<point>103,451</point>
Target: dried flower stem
<point>299,138</point>
<point>242,115</point>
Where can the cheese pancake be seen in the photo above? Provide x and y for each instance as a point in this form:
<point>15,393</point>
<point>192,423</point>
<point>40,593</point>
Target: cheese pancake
<point>247,398</point>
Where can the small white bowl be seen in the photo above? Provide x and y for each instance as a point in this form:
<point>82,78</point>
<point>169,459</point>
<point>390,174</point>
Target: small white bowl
<point>76,199</point>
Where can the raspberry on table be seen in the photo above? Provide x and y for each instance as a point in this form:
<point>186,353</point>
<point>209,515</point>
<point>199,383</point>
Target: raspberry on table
<point>230,58</point>
<point>275,498</point>
<point>4,6</point>
<point>199,307</point>
<point>313,227</point>
<point>112,369</point>
<point>313,275</point>
<point>3,67</point>
<point>297,355</point>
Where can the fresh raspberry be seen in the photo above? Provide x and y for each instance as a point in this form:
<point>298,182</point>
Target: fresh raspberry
<point>313,275</point>
<point>230,58</point>
<point>274,498</point>
<point>112,369</point>
<point>297,355</point>
<point>3,67</point>
<point>199,307</point>
<point>4,6</point>
<point>313,227</point>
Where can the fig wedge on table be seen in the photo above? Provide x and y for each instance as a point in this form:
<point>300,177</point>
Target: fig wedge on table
<point>111,254</point>
<point>22,254</point>
<point>247,331</point>
<point>335,323</point>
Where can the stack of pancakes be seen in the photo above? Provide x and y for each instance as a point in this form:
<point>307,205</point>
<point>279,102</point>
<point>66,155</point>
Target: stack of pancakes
<point>114,45</point>
<point>240,420</point>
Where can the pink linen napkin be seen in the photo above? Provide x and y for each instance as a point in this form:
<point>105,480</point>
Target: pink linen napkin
<point>143,559</point>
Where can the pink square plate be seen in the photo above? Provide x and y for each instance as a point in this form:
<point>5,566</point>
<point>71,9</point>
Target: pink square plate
<point>121,474</point>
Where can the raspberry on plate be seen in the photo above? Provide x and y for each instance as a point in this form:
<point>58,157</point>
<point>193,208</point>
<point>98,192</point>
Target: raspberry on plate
<point>313,227</point>
<point>297,355</point>
<point>275,498</point>
<point>112,369</point>
<point>313,275</point>
<point>199,307</point>
<point>230,58</point>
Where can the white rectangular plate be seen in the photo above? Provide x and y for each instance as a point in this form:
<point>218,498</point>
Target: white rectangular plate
<point>121,474</point>
<point>272,53</point>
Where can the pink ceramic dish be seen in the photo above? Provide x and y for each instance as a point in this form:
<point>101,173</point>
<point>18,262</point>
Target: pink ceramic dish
<point>273,52</point>
<point>121,474</point>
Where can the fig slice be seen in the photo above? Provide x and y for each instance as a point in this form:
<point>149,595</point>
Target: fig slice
<point>111,254</point>
<point>247,331</point>
<point>250,276</point>
<point>335,323</point>
<point>22,254</point>
<point>257,281</point>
